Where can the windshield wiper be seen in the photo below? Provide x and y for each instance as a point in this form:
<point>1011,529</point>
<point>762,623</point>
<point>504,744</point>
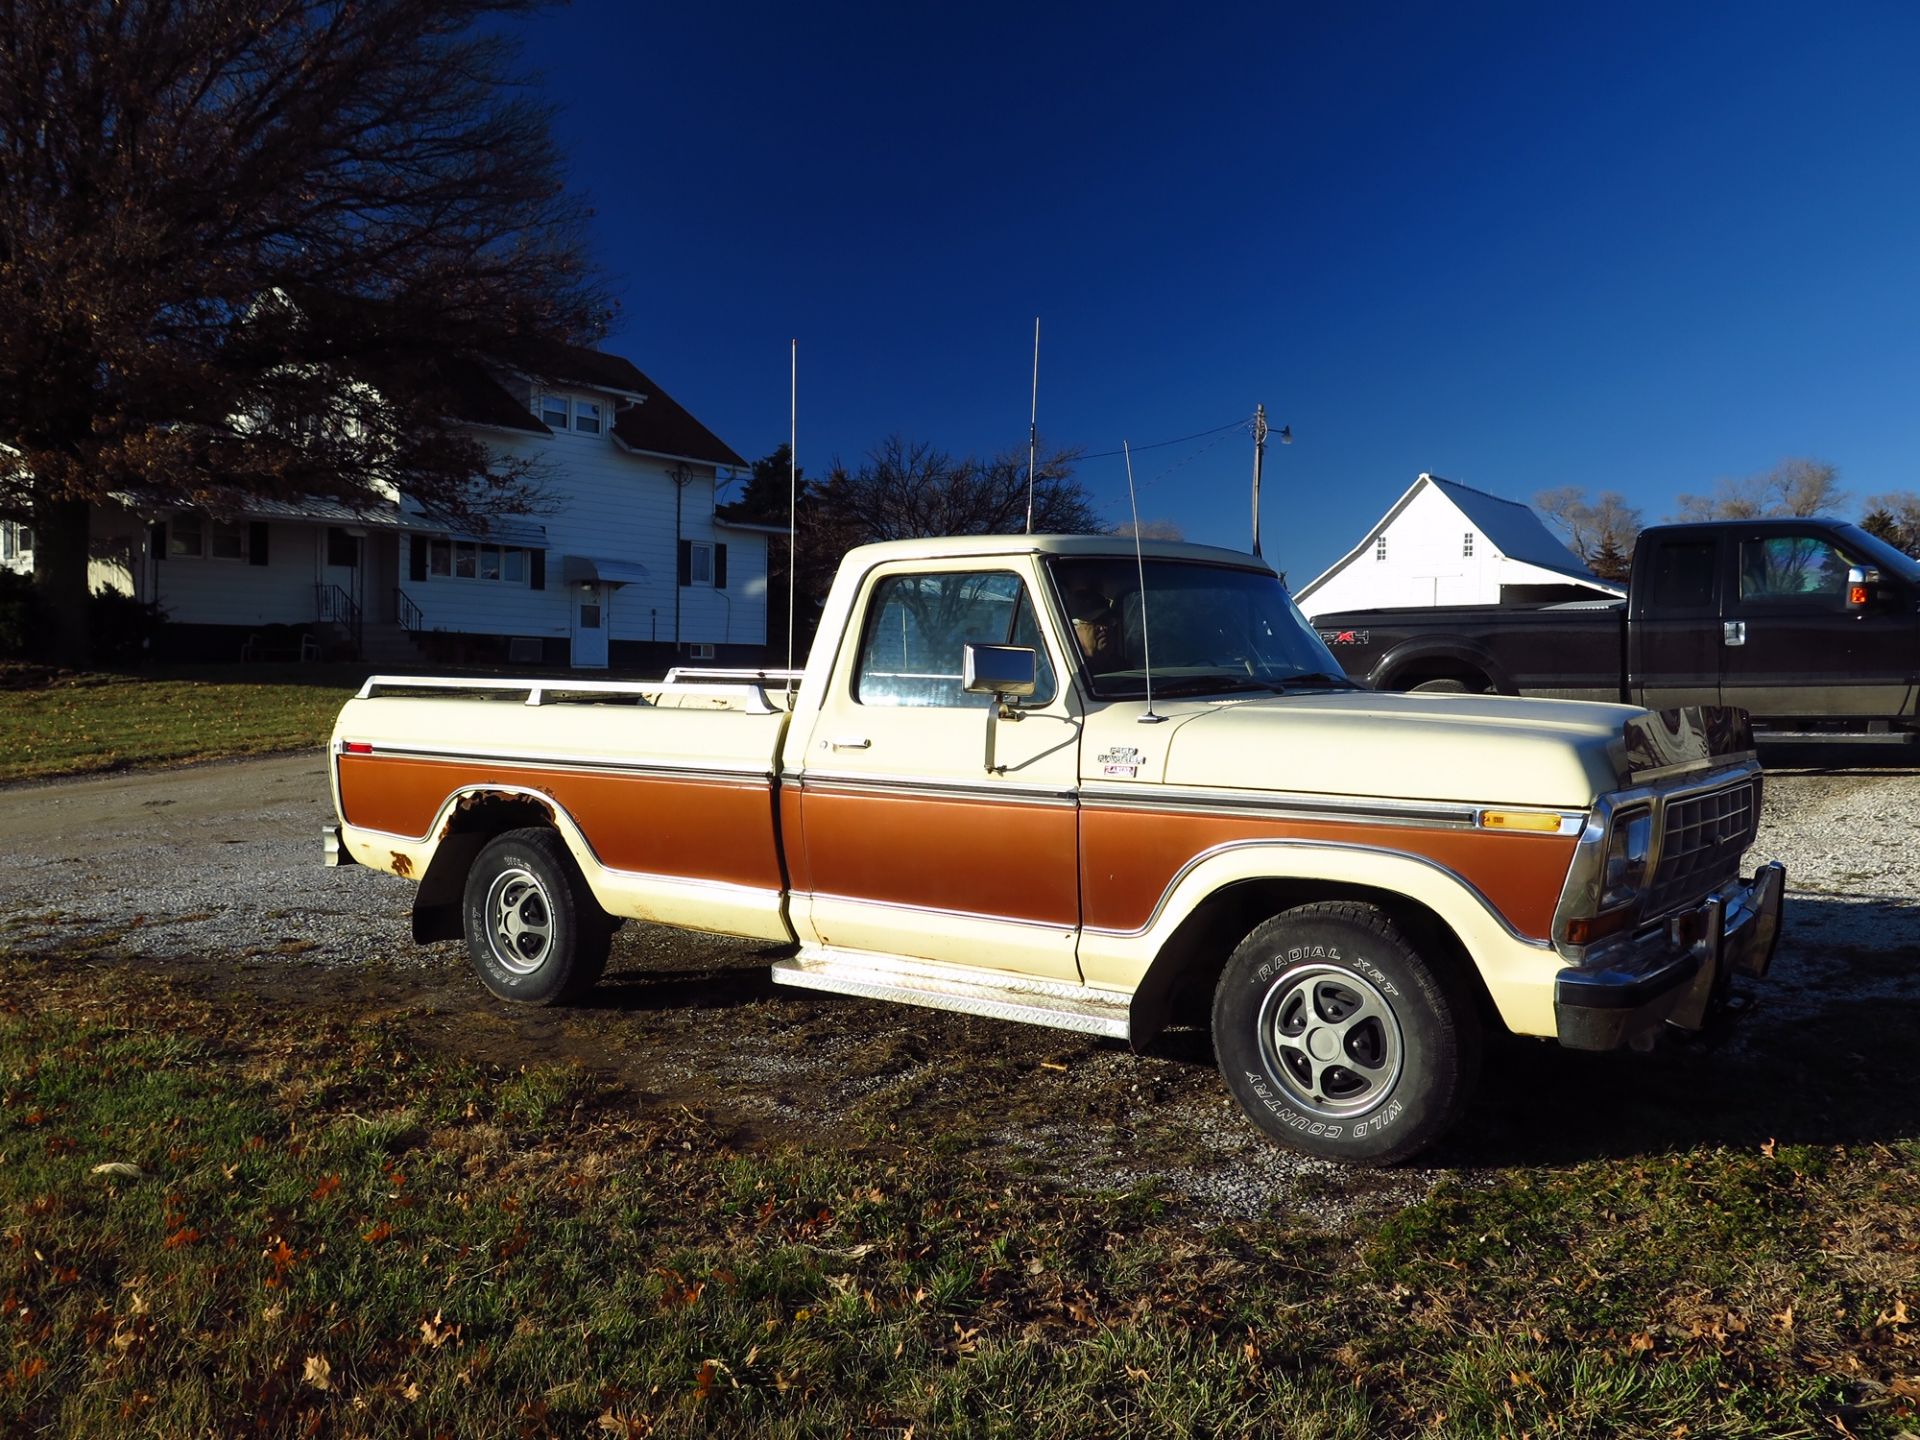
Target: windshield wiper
<point>1316,677</point>
<point>1207,685</point>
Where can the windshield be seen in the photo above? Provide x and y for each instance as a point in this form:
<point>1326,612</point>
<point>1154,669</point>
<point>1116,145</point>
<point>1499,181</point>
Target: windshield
<point>1213,629</point>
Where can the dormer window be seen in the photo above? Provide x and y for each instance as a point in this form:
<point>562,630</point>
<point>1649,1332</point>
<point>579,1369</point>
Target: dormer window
<point>568,412</point>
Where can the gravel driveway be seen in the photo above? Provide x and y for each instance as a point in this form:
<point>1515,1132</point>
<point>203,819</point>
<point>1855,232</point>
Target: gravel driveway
<point>216,871</point>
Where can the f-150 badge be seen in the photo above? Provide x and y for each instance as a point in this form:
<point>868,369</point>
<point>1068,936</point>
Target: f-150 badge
<point>1346,637</point>
<point>1121,760</point>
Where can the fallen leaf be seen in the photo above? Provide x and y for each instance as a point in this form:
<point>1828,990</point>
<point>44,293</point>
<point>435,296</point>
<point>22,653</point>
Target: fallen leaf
<point>319,1373</point>
<point>122,1169</point>
<point>1770,1148</point>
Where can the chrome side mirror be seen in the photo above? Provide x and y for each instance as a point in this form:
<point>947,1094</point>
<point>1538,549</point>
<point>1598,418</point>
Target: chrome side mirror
<point>1004,672</point>
<point>1000,670</point>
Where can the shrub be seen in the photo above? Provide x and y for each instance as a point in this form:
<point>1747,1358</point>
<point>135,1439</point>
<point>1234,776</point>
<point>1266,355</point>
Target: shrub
<point>21,617</point>
<point>120,627</point>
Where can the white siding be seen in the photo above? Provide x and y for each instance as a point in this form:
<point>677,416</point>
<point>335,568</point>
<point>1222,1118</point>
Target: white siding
<point>605,502</point>
<point>234,592</point>
<point>1424,564</point>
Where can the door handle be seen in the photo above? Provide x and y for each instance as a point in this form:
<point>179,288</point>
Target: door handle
<point>1734,631</point>
<point>849,742</point>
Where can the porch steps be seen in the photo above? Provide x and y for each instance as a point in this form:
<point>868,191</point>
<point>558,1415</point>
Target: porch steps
<point>389,647</point>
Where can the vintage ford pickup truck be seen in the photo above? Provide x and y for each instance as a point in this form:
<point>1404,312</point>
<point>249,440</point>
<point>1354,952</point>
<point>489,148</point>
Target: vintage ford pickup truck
<point>969,799</point>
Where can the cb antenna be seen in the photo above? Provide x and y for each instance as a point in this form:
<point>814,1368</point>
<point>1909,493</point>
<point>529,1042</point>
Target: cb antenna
<point>793,497</point>
<point>1033,421</point>
<point>1140,563</point>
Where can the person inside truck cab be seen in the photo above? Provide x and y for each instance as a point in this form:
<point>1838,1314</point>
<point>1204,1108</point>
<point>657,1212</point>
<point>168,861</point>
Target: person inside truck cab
<point>1096,627</point>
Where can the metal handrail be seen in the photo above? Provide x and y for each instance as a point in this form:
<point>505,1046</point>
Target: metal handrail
<point>333,605</point>
<point>411,620</point>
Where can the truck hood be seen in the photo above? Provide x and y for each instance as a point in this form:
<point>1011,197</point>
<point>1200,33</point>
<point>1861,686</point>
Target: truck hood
<point>1477,749</point>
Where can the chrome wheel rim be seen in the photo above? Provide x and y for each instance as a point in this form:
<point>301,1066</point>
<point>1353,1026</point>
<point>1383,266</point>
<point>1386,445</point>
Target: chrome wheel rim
<point>1331,1041</point>
<point>519,921</point>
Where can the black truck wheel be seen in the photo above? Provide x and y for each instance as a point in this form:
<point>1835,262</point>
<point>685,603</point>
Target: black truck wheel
<point>533,929</point>
<point>1339,1041</point>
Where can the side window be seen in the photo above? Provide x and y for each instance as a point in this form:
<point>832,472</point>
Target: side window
<point>917,624</point>
<point>1682,579</point>
<point>1802,571</point>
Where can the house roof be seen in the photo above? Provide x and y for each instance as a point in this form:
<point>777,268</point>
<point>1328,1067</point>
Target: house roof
<point>1512,528</point>
<point>656,423</point>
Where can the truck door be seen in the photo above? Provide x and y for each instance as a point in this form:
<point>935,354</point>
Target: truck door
<point>912,845</point>
<point>1673,634</point>
<point>1790,645</point>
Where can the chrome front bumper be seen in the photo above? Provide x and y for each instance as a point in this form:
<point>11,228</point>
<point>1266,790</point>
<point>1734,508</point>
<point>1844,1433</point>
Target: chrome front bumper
<point>1676,973</point>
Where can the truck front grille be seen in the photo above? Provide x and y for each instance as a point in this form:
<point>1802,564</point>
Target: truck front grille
<point>1704,837</point>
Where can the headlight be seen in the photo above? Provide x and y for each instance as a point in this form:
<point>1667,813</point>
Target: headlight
<point>1628,847</point>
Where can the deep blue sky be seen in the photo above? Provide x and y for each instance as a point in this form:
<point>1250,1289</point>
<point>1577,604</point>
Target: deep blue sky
<point>1635,247</point>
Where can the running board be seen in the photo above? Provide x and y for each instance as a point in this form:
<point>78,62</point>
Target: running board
<point>951,987</point>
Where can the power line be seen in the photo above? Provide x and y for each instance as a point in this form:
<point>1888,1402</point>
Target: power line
<point>1162,444</point>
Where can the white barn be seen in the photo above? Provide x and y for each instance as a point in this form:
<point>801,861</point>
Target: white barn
<point>1443,543</point>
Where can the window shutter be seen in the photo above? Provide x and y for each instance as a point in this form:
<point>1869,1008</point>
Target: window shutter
<point>537,568</point>
<point>157,539</point>
<point>719,567</point>
<point>686,562</point>
<point>256,542</point>
<point>417,563</point>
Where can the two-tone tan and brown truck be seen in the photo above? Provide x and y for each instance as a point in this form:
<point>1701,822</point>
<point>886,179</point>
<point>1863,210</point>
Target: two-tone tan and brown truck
<point>1054,780</point>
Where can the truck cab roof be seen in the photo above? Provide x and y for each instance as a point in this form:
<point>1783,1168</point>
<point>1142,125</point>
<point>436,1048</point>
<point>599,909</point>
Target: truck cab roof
<point>965,546</point>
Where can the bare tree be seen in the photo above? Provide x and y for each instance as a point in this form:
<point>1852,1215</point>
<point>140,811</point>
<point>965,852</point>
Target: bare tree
<point>907,490</point>
<point>1792,487</point>
<point>244,244</point>
<point>1895,518</point>
<point>1600,531</point>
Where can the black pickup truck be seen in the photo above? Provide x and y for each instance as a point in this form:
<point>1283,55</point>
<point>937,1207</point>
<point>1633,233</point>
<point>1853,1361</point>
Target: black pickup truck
<point>1812,626</point>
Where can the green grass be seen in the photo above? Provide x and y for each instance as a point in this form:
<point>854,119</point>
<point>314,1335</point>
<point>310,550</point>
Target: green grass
<point>75,724</point>
<point>334,1231</point>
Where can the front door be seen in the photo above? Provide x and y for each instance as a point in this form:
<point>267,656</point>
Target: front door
<point>913,846</point>
<point>342,571</point>
<point>1790,645</point>
<point>590,627</point>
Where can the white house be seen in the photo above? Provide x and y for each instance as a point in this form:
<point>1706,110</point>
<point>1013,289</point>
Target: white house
<point>1444,543</point>
<point>626,564</point>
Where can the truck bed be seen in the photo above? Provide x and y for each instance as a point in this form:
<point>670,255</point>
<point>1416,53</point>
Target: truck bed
<point>1570,651</point>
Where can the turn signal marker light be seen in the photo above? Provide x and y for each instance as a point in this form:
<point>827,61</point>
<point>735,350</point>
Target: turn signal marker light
<point>1535,820</point>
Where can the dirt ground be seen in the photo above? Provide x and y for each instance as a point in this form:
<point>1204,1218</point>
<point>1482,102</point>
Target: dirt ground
<point>214,874</point>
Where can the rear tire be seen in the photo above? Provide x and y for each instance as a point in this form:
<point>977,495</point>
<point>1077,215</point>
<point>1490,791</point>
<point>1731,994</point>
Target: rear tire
<point>1445,685</point>
<point>534,931</point>
<point>1339,1041</point>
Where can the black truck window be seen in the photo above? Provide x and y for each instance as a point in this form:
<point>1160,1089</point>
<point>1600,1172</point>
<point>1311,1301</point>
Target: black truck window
<point>1683,576</point>
<point>1800,569</point>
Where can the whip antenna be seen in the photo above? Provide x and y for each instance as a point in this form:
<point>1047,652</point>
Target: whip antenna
<point>1140,563</point>
<point>1033,421</point>
<point>793,497</point>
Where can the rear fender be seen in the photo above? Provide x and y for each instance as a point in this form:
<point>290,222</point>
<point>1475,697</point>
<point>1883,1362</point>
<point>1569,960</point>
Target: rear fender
<point>1450,653</point>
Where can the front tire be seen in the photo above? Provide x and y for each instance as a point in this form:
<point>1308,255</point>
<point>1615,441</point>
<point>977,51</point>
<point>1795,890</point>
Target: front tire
<point>1339,1041</point>
<point>534,932</point>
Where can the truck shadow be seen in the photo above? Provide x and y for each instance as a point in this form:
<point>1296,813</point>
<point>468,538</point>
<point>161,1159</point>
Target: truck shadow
<point>1829,1055</point>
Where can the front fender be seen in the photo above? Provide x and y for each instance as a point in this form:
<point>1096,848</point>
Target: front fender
<point>1518,972</point>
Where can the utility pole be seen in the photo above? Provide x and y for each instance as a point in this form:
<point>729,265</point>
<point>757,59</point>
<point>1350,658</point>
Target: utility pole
<point>1259,455</point>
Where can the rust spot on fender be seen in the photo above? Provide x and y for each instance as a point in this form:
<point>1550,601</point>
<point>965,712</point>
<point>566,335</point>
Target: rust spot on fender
<point>402,864</point>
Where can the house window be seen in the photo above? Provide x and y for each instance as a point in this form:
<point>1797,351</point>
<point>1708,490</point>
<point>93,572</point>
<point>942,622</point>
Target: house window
<point>471,560</point>
<point>16,541</point>
<point>187,537</point>
<point>700,564</point>
<point>553,411</point>
<point>1380,548</point>
<point>1466,544</point>
<point>227,540</point>
<point>586,417</point>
